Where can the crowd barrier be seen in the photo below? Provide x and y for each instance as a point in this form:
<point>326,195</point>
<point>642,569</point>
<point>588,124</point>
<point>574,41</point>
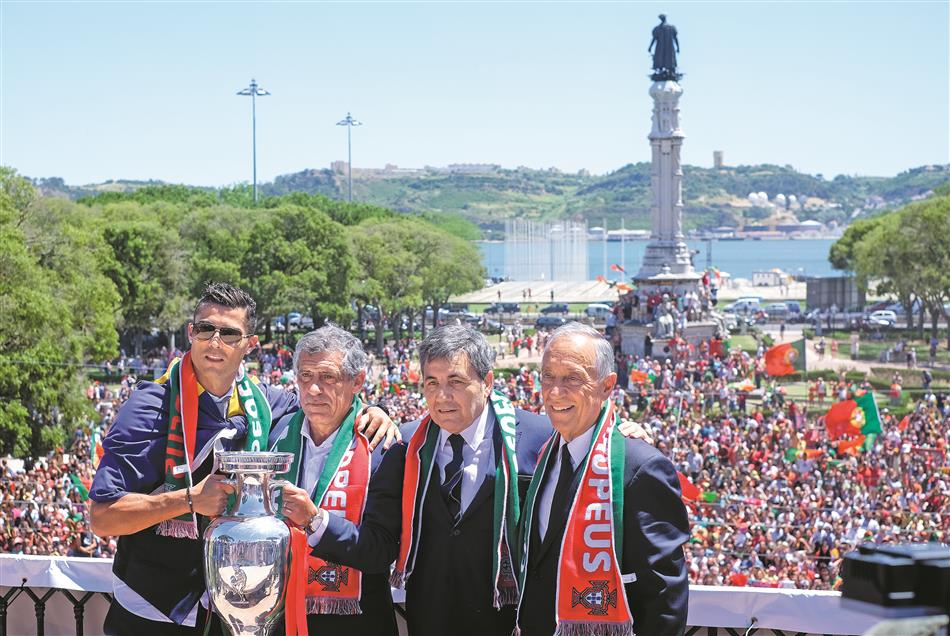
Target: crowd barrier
<point>58,596</point>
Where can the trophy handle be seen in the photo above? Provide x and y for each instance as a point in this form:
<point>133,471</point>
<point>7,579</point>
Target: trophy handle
<point>274,489</point>
<point>231,506</point>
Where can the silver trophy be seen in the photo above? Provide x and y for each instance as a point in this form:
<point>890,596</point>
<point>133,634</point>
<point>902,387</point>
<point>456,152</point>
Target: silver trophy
<point>247,550</point>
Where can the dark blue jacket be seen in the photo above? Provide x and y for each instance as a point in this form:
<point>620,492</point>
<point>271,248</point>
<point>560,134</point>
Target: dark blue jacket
<point>450,589</point>
<point>165,571</point>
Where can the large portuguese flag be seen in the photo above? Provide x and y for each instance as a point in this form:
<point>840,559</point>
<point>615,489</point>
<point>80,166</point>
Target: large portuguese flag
<point>858,417</point>
<point>786,358</point>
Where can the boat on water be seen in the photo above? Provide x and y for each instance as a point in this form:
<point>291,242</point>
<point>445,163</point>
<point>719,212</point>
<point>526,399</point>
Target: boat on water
<point>731,238</point>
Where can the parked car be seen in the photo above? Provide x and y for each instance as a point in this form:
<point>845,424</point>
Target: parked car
<point>882,318</point>
<point>491,326</point>
<point>899,309</point>
<point>549,322</point>
<point>294,318</point>
<point>444,313</point>
<point>598,311</point>
<point>555,308</point>
<point>503,308</point>
<point>777,311</point>
<point>747,305</point>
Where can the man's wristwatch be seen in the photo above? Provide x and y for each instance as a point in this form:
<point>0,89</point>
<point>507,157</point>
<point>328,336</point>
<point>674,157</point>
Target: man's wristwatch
<point>315,521</point>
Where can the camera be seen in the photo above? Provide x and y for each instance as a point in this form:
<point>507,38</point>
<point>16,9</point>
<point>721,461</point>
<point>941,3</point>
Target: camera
<point>908,583</point>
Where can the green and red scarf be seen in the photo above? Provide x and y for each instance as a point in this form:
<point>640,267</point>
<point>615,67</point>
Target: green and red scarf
<point>590,596</point>
<point>183,430</point>
<point>420,462</point>
<point>341,489</point>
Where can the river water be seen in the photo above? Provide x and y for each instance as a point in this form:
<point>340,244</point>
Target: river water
<point>739,258</point>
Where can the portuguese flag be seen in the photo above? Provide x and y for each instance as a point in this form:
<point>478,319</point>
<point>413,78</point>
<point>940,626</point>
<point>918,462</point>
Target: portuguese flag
<point>639,377</point>
<point>854,418</point>
<point>785,359</point>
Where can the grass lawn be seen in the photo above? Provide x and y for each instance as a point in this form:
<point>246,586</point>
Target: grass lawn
<point>872,350</point>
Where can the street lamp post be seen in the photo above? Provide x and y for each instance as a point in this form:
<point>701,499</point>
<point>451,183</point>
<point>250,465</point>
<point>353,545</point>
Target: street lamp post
<point>254,91</point>
<point>349,122</point>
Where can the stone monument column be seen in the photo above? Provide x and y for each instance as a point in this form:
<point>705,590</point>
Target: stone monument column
<point>667,247</point>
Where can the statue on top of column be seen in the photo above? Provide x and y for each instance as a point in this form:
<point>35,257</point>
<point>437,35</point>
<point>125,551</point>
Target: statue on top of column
<point>667,46</point>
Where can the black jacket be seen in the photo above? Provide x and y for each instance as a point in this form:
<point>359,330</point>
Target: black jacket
<point>655,527</point>
<point>450,588</point>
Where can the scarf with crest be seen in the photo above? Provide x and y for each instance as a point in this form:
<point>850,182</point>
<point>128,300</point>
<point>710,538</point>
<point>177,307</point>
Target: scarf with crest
<point>183,430</point>
<point>341,489</point>
<point>589,593</point>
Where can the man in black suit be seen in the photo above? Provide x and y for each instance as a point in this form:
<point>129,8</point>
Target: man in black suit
<point>571,568</point>
<point>454,587</point>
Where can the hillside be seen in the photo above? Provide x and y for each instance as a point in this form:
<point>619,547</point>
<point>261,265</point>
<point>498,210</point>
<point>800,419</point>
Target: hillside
<point>712,197</point>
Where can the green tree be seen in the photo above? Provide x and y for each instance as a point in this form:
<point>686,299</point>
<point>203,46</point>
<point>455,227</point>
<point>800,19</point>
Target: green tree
<point>390,275</point>
<point>841,254</point>
<point>450,266</point>
<point>908,252</point>
<point>297,258</point>
<point>58,311</point>
<point>148,266</point>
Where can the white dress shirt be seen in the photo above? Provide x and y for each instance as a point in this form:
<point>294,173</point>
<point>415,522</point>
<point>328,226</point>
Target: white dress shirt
<point>314,459</point>
<point>478,454</point>
<point>578,449</point>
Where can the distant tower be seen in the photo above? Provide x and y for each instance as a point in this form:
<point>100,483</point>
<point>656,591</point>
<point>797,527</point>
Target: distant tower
<point>667,251</point>
<point>717,159</point>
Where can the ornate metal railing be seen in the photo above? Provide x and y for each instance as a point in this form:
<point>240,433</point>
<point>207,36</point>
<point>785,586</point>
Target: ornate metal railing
<point>37,594</point>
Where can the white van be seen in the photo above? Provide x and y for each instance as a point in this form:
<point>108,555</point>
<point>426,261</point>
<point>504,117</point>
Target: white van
<point>598,311</point>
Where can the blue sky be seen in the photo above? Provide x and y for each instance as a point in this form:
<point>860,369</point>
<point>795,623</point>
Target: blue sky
<point>91,91</point>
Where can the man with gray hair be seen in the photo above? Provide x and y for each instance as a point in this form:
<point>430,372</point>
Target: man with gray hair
<point>451,499</point>
<point>603,514</point>
<point>331,474</point>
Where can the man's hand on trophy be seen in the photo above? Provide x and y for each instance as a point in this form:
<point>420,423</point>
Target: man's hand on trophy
<point>297,505</point>
<point>633,430</point>
<point>210,495</point>
<point>376,424</point>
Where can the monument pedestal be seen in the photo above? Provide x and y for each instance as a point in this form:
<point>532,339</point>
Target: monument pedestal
<point>632,338</point>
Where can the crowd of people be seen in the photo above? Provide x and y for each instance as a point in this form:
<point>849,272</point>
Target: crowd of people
<point>772,503</point>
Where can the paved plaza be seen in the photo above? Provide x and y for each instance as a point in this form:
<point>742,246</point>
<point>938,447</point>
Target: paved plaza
<point>592,291</point>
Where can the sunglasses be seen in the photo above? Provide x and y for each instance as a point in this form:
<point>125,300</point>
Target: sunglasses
<point>228,335</point>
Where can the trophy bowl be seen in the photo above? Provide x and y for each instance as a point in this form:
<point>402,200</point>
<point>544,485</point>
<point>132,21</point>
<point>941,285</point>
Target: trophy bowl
<point>247,549</point>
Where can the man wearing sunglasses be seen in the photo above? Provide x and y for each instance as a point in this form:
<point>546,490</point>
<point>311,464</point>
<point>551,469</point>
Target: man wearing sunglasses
<point>154,487</point>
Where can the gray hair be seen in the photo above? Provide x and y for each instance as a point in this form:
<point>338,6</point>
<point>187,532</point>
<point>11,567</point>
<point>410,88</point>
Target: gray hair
<point>331,338</point>
<point>446,342</point>
<point>603,350</point>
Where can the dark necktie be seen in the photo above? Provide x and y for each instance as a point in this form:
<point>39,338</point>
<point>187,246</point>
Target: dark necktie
<point>452,485</point>
<point>562,492</point>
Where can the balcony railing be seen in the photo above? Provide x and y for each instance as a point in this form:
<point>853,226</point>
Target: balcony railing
<point>68,595</point>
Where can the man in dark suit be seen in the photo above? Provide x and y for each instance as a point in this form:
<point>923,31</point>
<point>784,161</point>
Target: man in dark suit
<point>454,584</point>
<point>596,520</point>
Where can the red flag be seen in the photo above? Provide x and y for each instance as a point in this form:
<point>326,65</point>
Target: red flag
<point>838,419</point>
<point>639,377</point>
<point>850,445</point>
<point>785,358</point>
<point>690,492</point>
<point>902,426</point>
<point>617,268</point>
